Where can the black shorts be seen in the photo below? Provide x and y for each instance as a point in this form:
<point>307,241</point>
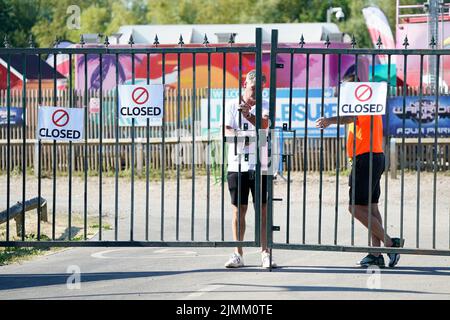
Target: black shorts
<point>247,184</point>
<point>362,178</point>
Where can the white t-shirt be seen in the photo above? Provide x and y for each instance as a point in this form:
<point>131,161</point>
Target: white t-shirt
<point>232,115</point>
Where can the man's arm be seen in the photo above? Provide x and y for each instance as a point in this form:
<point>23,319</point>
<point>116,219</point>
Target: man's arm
<point>325,122</point>
<point>229,131</point>
<point>245,110</point>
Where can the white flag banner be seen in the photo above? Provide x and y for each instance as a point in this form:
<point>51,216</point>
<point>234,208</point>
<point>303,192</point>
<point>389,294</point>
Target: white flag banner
<point>378,26</point>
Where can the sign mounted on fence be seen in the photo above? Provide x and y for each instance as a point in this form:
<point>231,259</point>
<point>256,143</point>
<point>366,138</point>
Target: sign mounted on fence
<point>94,105</point>
<point>141,102</point>
<point>415,115</point>
<point>63,124</point>
<point>15,116</point>
<point>363,98</point>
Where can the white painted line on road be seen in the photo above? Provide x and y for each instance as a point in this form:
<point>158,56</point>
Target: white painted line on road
<point>202,291</point>
<point>175,251</point>
<point>188,254</point>
<point>99,255</point>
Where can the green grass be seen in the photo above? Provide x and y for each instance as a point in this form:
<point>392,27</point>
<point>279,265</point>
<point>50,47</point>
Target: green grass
<point>10,255</point>
<point>105,226</point>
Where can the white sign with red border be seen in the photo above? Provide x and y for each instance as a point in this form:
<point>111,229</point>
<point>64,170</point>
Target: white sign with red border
<point>62,124</point>
<point>362,98</point>
<point>94,105</point>
<point>141,102</point>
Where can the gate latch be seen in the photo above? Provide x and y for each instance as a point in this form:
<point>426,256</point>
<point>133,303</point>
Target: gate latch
<point>275,228</point>
<point>280,65</point>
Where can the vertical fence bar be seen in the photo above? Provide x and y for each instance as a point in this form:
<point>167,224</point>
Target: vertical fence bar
<point>55,101</point>
<point>163,145</point>
<point>193,128</point>
<point>290,155</point>
<point>403,158</point>
<point>258,207</point>
<point>272,102</point>
<point>147,162</point>
<point>353,177</point>
<point>24,140</point>
<point>387,158</point>
<point>100,156</point>
<point>70,149</point>
<point>117,154</point>
<point>222,191</point>
<point>419,159</point>
<point>305,149</point>
<point>435,154</point>
<point>338,157</point>
<point>8,143</point>
<point>133,147</point>
<point>178,146</point>
<point>321,166</point>
<point>39,151</point>
<point>235,150</point>
<point>86,122</point>
<point>208,164</point>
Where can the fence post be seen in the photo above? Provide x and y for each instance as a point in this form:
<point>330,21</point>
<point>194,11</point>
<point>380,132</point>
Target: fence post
<point>36,159</point>
<point>393,158</point>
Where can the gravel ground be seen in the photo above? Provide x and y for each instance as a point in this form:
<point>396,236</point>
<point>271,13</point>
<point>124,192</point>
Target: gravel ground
<point>327,217</point>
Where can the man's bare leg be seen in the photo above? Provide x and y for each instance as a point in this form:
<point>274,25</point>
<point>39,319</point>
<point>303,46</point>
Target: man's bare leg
<point>376,216</point>
<point>362,214</point>
<point>235,226</point>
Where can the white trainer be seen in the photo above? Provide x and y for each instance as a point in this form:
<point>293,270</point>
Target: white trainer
<point>235,261</point>
<point>265,259</point>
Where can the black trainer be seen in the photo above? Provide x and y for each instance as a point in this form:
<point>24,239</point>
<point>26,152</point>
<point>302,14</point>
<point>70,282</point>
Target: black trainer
<point>395,257</point>
<point>371,260</point>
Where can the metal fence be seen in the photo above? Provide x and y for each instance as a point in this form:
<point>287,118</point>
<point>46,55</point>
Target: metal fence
<point>309,208</point>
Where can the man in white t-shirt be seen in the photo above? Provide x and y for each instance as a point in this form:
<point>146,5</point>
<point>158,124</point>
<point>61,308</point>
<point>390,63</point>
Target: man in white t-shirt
<point>240,121</point>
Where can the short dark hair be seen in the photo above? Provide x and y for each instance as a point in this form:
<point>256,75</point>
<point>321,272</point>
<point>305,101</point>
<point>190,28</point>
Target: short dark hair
<point>350,78</point>
<point>350,75</point>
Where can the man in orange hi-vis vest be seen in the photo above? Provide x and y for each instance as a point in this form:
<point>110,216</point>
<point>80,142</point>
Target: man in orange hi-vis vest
<point>360,171</point>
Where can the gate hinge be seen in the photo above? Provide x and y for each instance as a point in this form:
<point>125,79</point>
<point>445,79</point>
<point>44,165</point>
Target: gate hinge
<point>277,199</point>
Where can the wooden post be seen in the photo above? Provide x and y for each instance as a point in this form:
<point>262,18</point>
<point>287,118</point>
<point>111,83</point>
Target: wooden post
<point>393,159</point>
<point>19,222</point>
<point>36,159</point>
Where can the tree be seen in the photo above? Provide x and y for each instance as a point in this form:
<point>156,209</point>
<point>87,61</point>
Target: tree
<point>98,17</point>
<point>17,17</point>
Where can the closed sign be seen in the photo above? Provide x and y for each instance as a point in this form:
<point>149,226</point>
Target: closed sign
<point>142,102</point>
<point>362,98</point>
<point>62,124</point>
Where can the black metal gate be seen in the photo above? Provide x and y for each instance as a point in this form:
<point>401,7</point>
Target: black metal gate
<point>161,216</point>
<point>334,229</point>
